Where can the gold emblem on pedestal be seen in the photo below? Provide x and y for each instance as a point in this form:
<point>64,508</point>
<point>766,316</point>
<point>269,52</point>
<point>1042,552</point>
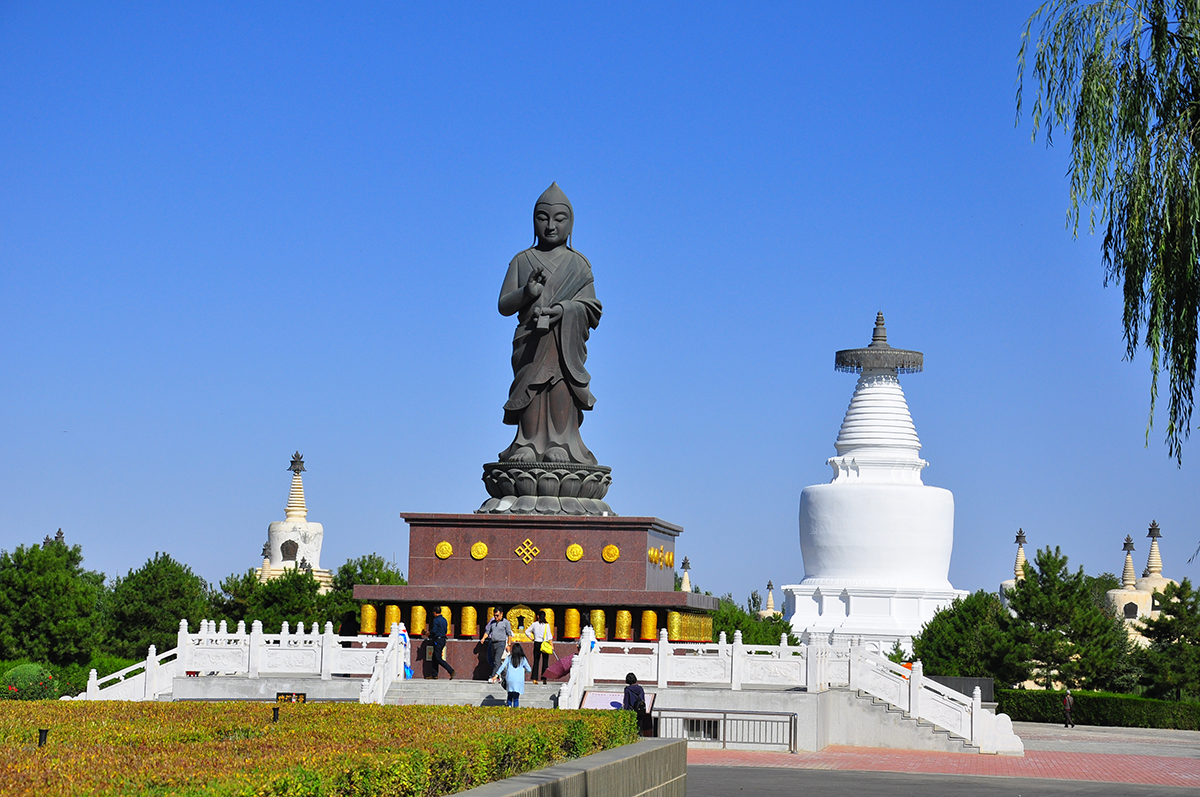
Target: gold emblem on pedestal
<point>478,550</point>
<point>526,551</point>
<point>443,550</point>
<point>670,558</point>
<point>520,617</point>
<point>611,553</point>
<point>652,555</point>
<point>574,552</point>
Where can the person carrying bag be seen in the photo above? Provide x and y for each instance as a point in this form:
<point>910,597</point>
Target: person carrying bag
<point>543,646</point>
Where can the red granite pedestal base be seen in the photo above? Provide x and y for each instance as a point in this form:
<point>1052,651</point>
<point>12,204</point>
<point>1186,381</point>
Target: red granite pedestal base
<point>599,567</point>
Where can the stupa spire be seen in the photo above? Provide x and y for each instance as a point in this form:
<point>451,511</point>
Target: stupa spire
<point>296,509</point>
<point>877,441</point>
<point>1154,562</point>
<point>1128,581</point>
<point>1019,567</point>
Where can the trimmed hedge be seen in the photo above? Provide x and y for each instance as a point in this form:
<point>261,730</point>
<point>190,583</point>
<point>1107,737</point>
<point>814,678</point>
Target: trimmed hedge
<point>315,750</point>
<point>28,682</point>
<point>1099,708</point>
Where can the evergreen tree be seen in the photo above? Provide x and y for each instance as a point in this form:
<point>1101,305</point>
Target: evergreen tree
<point>1067,637</point>
<point>144,608</point>
<point>1172,662</point>
<point>730,617</point>
<point>49,605</point>
<point>966,639</point>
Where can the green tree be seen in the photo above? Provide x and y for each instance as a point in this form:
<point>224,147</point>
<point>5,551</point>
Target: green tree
<point>730,617</point>
<point>293,597</point>
<point>1066,637</point>
<point>1172,662</point>
<point>968,639</point>
<point>49,605</point>
<point>1123,76</point>
<point>144,608</point>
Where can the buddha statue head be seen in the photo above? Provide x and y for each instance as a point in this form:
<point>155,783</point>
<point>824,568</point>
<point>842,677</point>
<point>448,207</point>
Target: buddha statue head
<point>553,218</point>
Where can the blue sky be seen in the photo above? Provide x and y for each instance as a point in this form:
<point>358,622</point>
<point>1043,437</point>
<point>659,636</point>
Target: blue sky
<point>227,234</point>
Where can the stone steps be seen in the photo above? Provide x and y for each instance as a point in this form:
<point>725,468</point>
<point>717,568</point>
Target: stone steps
<point>940,739</point>
<point>443,692</point>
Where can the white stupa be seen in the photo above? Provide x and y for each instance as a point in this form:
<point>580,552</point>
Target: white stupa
<point>876,541</point>
<point>295,542</point>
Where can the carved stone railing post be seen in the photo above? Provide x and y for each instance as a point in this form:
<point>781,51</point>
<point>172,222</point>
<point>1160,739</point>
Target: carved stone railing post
<point>976,716</point>
<point>149,681</point>
<point>915,683</point>
<point>93,686</point>
<point>256,646</point>
<point>737,661</point>
<point>182,649</point>
<point>663,659</point>
<point>815,664</point>
<point>328,644</point>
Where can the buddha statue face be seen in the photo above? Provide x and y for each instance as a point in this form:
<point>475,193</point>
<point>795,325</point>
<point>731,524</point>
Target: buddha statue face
<point>552,224</point>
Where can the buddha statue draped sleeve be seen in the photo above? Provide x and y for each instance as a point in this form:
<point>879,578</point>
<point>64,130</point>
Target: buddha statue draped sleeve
<point>551,386</point>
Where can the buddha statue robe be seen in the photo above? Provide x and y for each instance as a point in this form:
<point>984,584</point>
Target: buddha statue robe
<point>550,387</point>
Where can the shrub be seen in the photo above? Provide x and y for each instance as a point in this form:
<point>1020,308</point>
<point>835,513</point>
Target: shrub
<point>29,682</point>
<point>1099,708</point>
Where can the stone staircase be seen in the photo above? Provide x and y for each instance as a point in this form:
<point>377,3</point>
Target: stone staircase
<point>444,692</point>
<point>893,727</point>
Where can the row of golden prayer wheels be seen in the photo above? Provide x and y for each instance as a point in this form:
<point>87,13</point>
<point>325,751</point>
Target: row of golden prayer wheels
<point>681,626</point>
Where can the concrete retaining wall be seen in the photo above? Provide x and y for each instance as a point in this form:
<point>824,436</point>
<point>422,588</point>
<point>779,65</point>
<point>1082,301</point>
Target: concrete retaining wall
<point>649,768</point>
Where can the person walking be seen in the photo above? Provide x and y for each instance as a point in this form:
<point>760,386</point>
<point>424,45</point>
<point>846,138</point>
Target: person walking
<point>515,667</point>
<point>1068,704</point>
<point>437,637</point>
<point>495,635</point>
<point>542,636</point>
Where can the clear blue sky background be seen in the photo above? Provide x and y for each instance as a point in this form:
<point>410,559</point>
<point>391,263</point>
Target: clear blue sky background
<point>228,234</point>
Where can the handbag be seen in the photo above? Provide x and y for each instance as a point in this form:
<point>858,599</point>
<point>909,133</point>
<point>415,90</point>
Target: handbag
<point>547,643</point>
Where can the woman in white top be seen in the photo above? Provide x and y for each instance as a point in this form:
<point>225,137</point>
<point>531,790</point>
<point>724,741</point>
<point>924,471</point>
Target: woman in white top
<point>540,631</point>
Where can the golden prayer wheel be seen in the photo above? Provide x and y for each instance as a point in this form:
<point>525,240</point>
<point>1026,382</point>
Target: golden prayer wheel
<point>571,624</point>
<point>469,626</point>
<point>391,615</point>
<point>366,623</point>
<point>624,629</point>
<point>417,626</point>
<point>674,626</point>
<point>446,613</point>
<point>598,624</point>
<point>649,625</point>
<point>706,628</point>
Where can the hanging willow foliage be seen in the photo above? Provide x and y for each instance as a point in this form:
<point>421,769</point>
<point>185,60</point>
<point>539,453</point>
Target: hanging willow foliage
<point>1123,77</point>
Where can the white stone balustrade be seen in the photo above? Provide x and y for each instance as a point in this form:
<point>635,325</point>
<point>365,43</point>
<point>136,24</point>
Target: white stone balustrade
<point>214,650</point>
<point>816,667</point>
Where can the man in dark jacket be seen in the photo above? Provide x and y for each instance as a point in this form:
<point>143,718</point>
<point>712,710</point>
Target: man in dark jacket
<point>1068,704</point>
<point>635,700</point>
<point>437,638</point>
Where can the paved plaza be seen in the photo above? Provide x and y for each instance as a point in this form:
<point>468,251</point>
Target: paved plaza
<point>1080,760</point>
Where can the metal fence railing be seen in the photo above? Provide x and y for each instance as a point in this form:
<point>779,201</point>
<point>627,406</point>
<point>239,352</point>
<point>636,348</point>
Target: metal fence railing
<point>768,728</point>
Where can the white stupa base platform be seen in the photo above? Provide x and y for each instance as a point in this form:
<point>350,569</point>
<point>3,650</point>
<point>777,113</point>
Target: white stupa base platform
<point>878,614</point>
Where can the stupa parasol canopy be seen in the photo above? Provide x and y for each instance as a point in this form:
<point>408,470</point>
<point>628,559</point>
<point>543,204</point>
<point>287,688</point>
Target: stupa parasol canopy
<point>879,356</point>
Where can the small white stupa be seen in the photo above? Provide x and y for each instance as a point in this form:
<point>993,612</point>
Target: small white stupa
<point>295,542</point>
<point>1134,600</point>
<point>876,541</point>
